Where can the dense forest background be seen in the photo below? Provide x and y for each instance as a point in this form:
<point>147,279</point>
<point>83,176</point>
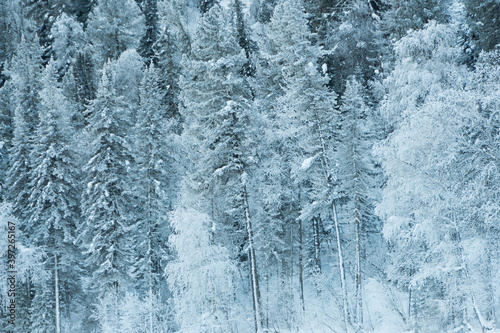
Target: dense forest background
<point>251,165</point>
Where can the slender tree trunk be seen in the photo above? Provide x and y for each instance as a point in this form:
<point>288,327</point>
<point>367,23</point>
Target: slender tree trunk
<point>485,325</point>
<point>328,178</point>
<point>58,307</point>
<point>253,262</point>
<point>301,268</point>
<point>150,282</point>
<point>409,304</point>
<point>150,249</point>
<point>342,271</point>
<point>317,245</point>
<point>359,295</point>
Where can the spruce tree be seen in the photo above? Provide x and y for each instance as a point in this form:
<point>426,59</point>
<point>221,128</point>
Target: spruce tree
<point>356,45</point>
<point>308,119</point>
<point>148,40</point>
<point>483,20</point>
<point>69,39</point>
<point>168,57</point>
<point>155,183</point>
<point>358,180</point>
<point>113,27</point>
<point>108,204</point>
<point>43,13</point>
<point>217,113</point>
<point>6,133</point>
<point>25,71</point>
<point>53,205</point>
<point>403,16</point>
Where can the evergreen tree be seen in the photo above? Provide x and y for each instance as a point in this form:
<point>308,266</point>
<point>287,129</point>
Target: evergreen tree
<point>483,20</point>
<point>69,39</point>
<point>358,184</point>
<point>7,37</point>
<point>356,45</point>
<point>53,203</point>
<point>243,36</point>
<point>415,14</point>
<point>43,13</point>
<point>86,87</point>
<point>6,133</point>
<point>79,8</point>
<point>113,27</point>
<point>25,71</point>
<point>217,113</point>
<point>266,8</point>
<point>180,17</point>
<point>108,205</point>
<point>156,184</point>
<point>169,57</point>
<point>307,115</point>
<point>146,47</point>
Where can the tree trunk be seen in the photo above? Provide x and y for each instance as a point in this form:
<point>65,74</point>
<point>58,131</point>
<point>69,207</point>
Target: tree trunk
<point>150,282</point>
<point>301,268</point>
<point>359,295</point>
<point>253,261</point>
<point>317,245</point>
<point>328,178</point>
<point>341,267</point>
<point>58,307</point>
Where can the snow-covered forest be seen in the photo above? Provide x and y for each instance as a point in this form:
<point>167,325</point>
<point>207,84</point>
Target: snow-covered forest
<point>218,166</point>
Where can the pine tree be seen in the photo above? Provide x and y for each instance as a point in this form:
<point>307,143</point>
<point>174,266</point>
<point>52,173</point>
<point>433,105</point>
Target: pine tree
<point>358,184</point>
<point>107,202</point>
<point>68,39</point>
<point>156,183</point>
<point>113,27</point>
<point>25,71</point>
<point>146,47</point>
<point>53,205</point>
<point>403,16</point>
<point>307,115</point>
<point>216,99</point>
<point>6,133</point>
<point>483,20</point>
<point>356,45</point>
<point>168,58</point>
